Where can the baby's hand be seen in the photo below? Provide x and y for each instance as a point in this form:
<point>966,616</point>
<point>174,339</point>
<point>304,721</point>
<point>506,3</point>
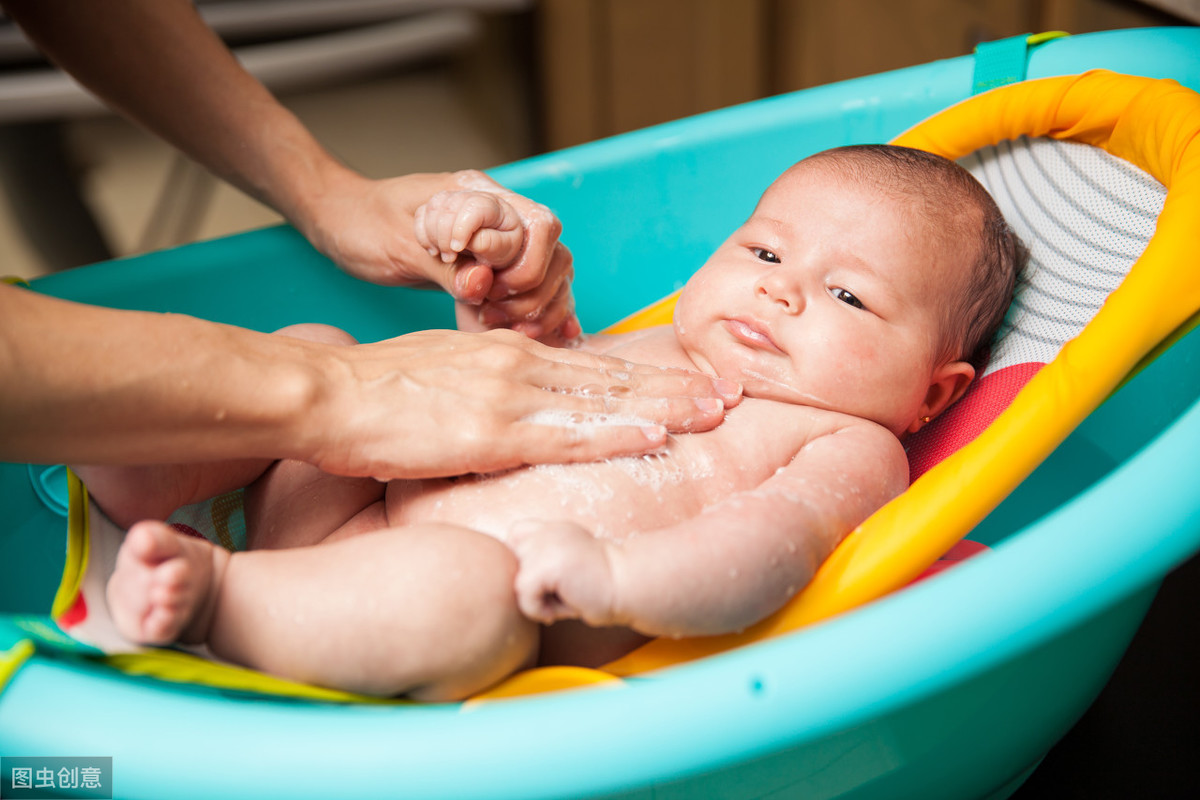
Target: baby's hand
<point>480,223</point>
<point>510,269</point>
<point>564,573</point>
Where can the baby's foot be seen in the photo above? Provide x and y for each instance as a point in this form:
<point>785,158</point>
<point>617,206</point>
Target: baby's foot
<point>165,585</point>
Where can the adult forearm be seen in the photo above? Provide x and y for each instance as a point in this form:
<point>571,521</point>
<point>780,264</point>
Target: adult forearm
<point>158,63</point>
<point>84,384</point>
<point>91,385</point>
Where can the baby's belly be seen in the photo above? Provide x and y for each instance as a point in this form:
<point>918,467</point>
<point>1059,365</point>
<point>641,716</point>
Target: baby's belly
<point>611,498</point>
<point>620,496</point>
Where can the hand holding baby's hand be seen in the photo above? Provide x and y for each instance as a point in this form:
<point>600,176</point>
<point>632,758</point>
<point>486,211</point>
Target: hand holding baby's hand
<point>564,573</point>
<point>505,250</point>
<point>477,222</point>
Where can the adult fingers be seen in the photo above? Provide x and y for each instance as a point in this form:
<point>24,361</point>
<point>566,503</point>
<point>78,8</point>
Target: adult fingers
<point>589,374</point>
<point>535,313</point>
<point>538,302</point>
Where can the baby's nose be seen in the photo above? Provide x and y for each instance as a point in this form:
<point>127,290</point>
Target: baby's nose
<point>777,287</point>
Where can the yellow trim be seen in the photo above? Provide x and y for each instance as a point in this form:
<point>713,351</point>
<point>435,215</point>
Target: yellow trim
<point>661,312</point>
<point>13,280</point>
<point>545,679</point>
<point>77,547</point>
<point>1034,39</point>
<point>12,659</point>
<point>178,667</point>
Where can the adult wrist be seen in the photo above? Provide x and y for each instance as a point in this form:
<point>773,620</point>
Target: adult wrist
<point>306,395</point>
<point>307,193</point>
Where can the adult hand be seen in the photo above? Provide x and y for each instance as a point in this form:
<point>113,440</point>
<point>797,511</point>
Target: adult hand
<point>205,103</point>
<point>437,403</point>
<point>367,227</point>
<point>144,388</point>
<point>485,229</point>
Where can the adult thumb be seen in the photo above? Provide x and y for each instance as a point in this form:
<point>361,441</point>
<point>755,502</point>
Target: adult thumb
<point>467,281</point>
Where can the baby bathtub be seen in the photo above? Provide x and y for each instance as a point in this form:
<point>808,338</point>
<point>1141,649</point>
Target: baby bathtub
<point>953,688</point>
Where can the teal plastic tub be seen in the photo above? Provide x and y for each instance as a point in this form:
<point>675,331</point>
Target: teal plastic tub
<point>954,688</point>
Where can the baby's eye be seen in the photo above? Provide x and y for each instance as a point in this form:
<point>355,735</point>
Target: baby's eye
<point>846,297</point>
<point>763,254</point>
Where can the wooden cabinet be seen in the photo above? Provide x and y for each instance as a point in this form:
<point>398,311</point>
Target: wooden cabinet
<point>816,42</point>
<point>608,66</point>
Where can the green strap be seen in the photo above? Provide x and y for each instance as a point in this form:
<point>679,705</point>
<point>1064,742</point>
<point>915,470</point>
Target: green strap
<point>1004,61</point>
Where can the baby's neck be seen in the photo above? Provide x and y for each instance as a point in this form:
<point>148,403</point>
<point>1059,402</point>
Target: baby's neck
<point>657,346</point>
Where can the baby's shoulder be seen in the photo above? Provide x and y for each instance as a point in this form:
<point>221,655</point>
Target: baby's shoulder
<point>655,346</point>
<point>859,447</point>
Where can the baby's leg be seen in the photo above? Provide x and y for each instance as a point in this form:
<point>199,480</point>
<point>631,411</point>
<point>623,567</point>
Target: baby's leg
<point>295,504</point>
<point>131,494</point>
<point>427,611</point>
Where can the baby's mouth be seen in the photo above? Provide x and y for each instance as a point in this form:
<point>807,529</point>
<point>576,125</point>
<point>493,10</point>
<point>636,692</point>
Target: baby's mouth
<point>753,333</point>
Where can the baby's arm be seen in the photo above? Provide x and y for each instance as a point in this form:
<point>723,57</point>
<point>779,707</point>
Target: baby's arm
<point>726,568</point>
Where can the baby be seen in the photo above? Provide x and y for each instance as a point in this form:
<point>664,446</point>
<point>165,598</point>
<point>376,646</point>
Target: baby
<point>853,306</point>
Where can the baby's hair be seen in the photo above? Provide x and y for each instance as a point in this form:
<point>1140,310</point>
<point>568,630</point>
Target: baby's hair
<point>952,198</point>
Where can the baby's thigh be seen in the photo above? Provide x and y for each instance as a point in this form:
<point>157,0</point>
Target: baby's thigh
<point>294,504</point>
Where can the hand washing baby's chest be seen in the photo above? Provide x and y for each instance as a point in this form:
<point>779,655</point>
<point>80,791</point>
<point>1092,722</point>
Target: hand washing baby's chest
<point>621,496</point>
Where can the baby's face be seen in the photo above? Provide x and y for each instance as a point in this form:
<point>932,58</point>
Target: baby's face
<point>830,295</point>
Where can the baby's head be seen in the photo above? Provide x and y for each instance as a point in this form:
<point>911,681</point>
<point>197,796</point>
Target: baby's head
<point>869,280</point>
<point>957,210</point>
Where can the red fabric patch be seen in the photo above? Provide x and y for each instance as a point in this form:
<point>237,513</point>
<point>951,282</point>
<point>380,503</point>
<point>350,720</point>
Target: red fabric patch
<point>967,418</point>
<point>187,530</point>
<point>74,615</point>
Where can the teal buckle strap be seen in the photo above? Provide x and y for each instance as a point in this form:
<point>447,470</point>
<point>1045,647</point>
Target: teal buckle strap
<point>1004,61</point>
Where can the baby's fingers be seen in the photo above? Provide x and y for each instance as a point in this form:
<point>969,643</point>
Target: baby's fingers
<point>550,556</point>
<point>435,221</point>
<point>495,246</point>
<point>539,601</point>
<point>488,226</point>
<point>421,229</point>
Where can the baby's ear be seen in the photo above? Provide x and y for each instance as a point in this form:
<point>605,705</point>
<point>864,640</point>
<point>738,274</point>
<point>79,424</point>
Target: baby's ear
<point>948,383</point>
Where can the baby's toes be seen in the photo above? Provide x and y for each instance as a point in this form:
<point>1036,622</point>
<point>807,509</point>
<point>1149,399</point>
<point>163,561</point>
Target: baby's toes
<point>159,626</point>
<point>150,543</point>
<point>171,598</point>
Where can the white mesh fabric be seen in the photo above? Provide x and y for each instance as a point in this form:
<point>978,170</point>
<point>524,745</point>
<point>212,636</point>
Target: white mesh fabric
<point>1086,216</point>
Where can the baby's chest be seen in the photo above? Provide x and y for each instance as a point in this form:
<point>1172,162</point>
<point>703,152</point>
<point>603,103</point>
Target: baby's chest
<point>620,496</point>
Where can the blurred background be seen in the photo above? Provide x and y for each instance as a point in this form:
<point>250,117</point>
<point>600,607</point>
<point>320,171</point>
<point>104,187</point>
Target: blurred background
<point>397,86</point>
